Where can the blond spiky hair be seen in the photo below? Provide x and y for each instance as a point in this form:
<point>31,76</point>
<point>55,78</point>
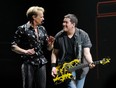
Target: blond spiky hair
<point>33,11</point>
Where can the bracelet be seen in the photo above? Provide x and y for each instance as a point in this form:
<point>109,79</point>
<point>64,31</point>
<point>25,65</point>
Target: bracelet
<point>53,64</point>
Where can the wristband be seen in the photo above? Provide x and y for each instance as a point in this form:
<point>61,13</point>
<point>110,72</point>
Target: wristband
<point>53,64</point>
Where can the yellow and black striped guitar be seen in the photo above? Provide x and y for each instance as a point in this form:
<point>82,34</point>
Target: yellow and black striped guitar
<point>65,70</point>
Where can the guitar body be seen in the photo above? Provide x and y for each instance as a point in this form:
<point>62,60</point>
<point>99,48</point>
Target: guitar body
<point>63,73</point>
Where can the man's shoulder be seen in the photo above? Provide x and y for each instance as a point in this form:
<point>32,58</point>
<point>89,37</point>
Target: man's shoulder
<point>22,26</point>
<point>81,31</point>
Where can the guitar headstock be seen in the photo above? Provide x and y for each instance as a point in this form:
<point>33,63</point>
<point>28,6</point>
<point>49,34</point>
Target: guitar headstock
<point>105,61</point>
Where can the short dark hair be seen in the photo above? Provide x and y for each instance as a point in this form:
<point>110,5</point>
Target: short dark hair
<point>72,18</point>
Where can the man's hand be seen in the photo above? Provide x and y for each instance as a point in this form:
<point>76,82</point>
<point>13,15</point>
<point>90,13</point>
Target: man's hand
<point>91,65</point>
<point>29,52</point>
<point>54,71</point>
<point>50,40</point>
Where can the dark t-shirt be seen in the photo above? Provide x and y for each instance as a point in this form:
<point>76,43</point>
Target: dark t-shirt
<point>70,49</point>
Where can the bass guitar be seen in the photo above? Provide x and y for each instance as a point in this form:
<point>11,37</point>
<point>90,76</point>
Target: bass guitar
<point>65,70</point>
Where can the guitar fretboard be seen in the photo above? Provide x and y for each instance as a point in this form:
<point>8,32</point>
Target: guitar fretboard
<point>79,66</point>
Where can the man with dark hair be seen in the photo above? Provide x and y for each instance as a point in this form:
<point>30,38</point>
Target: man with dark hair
<point>71,43</point>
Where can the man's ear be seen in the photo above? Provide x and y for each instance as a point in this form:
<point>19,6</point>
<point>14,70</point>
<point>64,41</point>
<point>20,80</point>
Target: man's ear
<point>33,17</point>
<point>74,24</point>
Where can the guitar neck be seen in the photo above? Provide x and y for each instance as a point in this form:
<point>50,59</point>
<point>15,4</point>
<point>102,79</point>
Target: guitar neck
<point>79,66</point>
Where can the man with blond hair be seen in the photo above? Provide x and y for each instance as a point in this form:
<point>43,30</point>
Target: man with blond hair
<point>29,41</point>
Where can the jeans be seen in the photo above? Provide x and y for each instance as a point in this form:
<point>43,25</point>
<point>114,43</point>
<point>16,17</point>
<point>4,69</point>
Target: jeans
<point>78,83</point>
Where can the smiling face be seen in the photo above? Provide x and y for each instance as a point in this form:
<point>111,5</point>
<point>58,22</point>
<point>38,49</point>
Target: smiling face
<point>68,25</point>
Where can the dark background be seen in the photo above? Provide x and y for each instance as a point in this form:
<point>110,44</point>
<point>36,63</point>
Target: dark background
<point>100,27</point>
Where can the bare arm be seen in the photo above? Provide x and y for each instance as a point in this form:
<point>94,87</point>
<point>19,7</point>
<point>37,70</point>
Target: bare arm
<point>15,48</point>
<point>50,47</point>
<point>88,57</point>
<point>53,61</point>
<point>54,55</point>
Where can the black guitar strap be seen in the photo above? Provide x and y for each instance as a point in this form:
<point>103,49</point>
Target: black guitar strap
<point>78,42</point>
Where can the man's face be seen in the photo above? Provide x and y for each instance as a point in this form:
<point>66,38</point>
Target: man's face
<point>39,18</point>
<point>67,25</point>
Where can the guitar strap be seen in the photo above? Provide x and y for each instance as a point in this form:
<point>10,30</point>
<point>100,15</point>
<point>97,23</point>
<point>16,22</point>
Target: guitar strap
<point>78,40</point>
<point>79,46</point>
